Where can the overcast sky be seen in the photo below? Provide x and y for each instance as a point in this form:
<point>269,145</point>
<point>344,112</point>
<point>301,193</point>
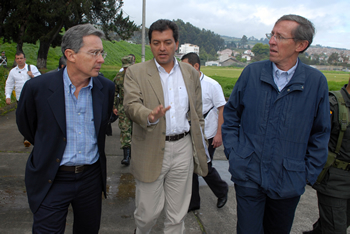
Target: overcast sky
<point>250,17</point>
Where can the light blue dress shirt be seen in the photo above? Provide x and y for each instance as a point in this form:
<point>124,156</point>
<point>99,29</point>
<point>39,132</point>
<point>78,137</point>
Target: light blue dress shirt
<point>81,146</point>
<point>282,78</point>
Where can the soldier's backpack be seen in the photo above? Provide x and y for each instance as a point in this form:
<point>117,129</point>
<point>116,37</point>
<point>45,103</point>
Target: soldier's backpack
<point>344,122</point>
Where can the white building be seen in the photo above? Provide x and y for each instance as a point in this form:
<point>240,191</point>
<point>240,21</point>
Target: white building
<point>213,63</point>
<point>188,48</point>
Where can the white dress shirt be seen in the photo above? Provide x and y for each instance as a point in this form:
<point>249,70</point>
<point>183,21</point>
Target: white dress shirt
<point>175,95</point>
<point>212,97</point>
<point>16,79</point>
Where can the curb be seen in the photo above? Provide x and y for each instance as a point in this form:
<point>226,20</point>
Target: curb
<point>7,108</point>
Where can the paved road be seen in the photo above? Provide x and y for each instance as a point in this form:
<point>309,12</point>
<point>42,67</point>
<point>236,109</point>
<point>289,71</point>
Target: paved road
<point>117,213</point>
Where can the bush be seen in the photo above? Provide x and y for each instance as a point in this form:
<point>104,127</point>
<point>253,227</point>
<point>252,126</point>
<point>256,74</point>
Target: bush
<point>4,72</point>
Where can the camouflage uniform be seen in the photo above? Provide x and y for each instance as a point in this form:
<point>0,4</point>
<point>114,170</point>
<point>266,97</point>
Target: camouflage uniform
<point>125,124</point>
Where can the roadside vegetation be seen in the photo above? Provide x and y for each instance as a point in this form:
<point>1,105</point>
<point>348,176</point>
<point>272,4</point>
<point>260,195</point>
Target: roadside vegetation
<point>226,76</point>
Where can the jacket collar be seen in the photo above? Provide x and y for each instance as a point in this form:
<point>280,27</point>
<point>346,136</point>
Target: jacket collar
<point>297,81</point>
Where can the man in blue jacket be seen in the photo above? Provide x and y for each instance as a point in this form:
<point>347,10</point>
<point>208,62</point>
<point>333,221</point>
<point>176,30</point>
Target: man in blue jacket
<point>276,130</point>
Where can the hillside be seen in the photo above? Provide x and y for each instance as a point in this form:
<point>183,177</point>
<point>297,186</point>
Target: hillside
<point>115,51</point>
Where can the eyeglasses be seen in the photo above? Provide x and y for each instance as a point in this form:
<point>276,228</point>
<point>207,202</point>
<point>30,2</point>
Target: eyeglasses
<point>97,53</point>
<point>277,37</point>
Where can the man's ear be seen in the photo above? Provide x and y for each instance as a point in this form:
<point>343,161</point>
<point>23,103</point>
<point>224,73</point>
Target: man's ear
<point>70,55</point>
<point>301,45</point>
<point>196,66</point>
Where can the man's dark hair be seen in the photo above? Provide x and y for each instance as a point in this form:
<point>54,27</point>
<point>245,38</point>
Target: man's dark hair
<point>192,58</point>
<point>162,25</point>
<point>304,31</point>
<point>20,52</point>
<point>61,62</point>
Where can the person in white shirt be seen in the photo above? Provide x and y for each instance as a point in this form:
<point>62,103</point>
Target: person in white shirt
<point>16,79</point>
<point>213,107</point>
<point>18,76</point>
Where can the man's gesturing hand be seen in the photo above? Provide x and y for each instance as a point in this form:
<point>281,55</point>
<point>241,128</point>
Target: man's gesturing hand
<point>157,112</point>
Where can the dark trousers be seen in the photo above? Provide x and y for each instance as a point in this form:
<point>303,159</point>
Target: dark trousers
<point>213,179</point>
<point>334,215</point>
<point>83,191</point>
<point>258,214</point>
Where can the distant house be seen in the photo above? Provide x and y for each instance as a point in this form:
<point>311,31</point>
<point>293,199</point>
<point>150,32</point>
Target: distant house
<point>226,54</point>
<point>213,63</point>
<point>248,52</point>
<point>247,57</point>
<point>229,62</point>
<point>225,51</point>
<point>188,48</point>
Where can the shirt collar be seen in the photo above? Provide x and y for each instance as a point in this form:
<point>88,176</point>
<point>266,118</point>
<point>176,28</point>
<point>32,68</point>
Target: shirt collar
<point>68,82</point>
<point>161,69</point>
<point>25,66</point>
<point>201,76</point>
<point>278,71</point>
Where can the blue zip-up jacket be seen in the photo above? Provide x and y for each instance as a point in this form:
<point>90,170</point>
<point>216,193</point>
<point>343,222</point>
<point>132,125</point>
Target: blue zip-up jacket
<point>277,140</point>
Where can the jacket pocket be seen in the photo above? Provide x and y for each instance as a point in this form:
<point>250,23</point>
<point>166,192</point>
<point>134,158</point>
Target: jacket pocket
<point>239,159</point>
<point>293,178</point>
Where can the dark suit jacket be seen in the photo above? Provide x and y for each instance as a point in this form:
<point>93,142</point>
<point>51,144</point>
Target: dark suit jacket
<point>41,119</point>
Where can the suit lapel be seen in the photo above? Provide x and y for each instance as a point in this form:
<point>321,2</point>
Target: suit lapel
<point>56,100</point>
<point>155,82</point>
<point>97,103</point>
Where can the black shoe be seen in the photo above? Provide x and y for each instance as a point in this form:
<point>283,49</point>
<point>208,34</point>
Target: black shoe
<point>127,156</point>
<point>221,201</point>
<point>308,232</point>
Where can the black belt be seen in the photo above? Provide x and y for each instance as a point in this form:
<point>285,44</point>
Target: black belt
<point>176,137</point>
<point>75,169</point>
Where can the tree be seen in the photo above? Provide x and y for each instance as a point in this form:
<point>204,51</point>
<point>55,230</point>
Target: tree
<point>205,39</point>
<point>333,58</point>
<point>47,18</point>
<point>111,17</point>
<point>244,41</point>
<point>261,52</point>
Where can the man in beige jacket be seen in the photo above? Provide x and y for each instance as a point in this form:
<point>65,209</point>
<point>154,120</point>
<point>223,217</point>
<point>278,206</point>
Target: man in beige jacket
<point>163,99</point>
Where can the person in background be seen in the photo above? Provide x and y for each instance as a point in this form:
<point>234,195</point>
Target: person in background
<point>213,107</point>
<point>3,59</point>
<point>125,124</point>
<point>160,97</point>
<point>18,76</point>
<point>276,130</point>
<point>61,64</point>
<point>333,192</point>
<point>64,115</point>
<point>134,59</point>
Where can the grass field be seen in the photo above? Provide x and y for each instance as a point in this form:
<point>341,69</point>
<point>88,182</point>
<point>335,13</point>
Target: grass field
<point>227,77</point>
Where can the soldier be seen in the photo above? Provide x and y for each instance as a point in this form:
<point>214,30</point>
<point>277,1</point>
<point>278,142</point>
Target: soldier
<point>125,124</point>
<point>333,188</point>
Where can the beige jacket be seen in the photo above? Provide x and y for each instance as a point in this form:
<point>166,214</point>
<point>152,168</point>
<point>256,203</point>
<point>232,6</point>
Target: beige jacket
<point>142,93</point>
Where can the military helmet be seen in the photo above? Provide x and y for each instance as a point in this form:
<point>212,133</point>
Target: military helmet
<point>127,60</point>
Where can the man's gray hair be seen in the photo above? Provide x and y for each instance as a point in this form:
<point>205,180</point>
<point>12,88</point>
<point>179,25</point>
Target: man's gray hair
<point>73,38</point>
<point>304,31</point>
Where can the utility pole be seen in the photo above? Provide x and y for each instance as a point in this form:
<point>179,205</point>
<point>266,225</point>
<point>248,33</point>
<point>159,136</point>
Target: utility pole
<point>143,30</point>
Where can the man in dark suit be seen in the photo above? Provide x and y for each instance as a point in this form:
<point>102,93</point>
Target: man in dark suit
<point>64,115</point>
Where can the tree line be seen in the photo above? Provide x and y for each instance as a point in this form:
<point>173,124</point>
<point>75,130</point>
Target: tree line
<point>30,21</point>
<point>209,42</point>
